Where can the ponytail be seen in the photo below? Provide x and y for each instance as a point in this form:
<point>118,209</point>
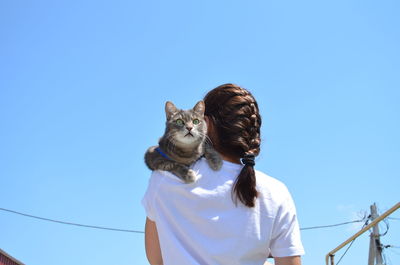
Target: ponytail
<point>235,114</point>
<point>245,185</point>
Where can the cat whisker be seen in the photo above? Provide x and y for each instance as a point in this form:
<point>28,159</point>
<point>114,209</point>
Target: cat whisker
<point>171,143</point>
<point>207,139</point>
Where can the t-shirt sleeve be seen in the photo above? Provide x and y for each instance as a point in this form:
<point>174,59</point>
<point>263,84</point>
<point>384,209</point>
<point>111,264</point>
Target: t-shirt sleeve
<point>149,196</point>
<point>286,241</point>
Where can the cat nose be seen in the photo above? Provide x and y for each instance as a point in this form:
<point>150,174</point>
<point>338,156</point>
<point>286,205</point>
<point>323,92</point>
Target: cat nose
<point>189,128</point>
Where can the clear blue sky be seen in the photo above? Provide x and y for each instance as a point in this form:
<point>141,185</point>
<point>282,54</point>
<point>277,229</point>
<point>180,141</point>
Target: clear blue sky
<point>82,92</point>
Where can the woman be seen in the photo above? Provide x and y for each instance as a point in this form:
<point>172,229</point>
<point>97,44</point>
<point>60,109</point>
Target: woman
<point>232,216</point>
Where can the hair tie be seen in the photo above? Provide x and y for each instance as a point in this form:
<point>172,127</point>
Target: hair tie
<point>248,160</point>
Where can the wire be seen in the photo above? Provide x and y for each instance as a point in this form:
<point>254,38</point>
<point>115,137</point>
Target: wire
<point>387,227</point>
<point>326,226</point>
<point>388,259</point>
<point>384,257</point>
<point>141,232</point>
<point>75,224</point>
<point>390,246</point>
<point>347,249</point>
<point>395,252</point>
<point>394,218</point>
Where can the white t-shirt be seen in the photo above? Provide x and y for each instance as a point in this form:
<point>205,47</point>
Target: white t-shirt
<point>199,223</point>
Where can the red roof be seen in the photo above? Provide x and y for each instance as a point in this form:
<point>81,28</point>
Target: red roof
<point>6,259</point>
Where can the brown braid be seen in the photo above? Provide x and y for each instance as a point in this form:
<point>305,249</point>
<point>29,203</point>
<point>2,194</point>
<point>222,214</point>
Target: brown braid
<point>235,114</point>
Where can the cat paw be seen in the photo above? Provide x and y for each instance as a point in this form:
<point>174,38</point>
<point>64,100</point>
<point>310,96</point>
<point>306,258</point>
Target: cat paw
<point>215,163</point>
<point>191,176</point>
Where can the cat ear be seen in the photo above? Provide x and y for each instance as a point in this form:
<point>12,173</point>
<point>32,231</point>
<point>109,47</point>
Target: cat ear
<point>170,109</point>
<point>200,107</point>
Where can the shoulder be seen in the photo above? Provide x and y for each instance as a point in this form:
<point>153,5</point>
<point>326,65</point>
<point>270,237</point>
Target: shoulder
<point>156,178</point>
<point>272,188</point>
<point>160,176</point>
<point>264,180</point>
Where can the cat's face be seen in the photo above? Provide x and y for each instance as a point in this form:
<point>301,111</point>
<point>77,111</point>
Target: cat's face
<point>185,127</point>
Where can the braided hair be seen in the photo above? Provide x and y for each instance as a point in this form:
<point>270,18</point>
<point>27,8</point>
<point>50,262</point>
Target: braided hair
<point>235,115</point>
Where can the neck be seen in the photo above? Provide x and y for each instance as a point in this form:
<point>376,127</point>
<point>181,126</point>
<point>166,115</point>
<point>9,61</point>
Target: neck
<point>231,159</point>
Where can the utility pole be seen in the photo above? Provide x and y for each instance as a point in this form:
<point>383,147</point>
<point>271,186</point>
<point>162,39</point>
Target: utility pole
<point>375,246</point>
<point>331,254</point>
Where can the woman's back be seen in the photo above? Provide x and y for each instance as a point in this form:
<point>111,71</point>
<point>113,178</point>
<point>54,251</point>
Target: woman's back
<point>200,223</point>
<point>233,216</point>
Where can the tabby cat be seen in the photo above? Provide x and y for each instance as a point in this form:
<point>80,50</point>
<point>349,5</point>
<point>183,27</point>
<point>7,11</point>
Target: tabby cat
<point>183,143</point>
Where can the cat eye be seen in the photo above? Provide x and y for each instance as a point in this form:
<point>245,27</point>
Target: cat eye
<point>179,122</point>
<point>196,121</point>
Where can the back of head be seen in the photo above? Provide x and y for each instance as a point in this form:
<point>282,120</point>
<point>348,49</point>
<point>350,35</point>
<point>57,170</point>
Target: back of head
<point>235,115</point>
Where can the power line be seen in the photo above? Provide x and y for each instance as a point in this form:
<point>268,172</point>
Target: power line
<point>347,249</point>
<point>326,226</point>
<point>390,246</point>
<point>393,251</point>
<point>69,223</point>
<point>387,227</point>
<point>141,232</point>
